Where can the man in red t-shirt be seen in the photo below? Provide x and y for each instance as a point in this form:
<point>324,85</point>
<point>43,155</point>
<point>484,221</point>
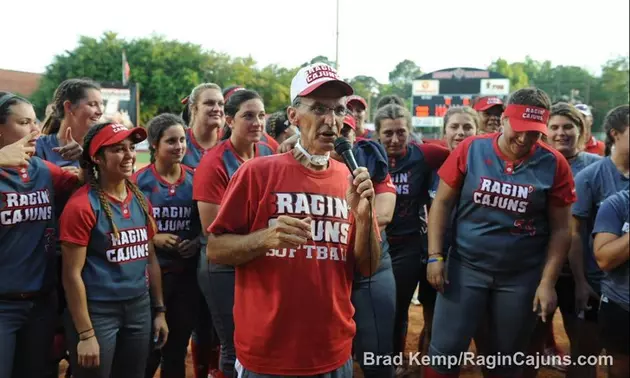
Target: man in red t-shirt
<point>297,226</point>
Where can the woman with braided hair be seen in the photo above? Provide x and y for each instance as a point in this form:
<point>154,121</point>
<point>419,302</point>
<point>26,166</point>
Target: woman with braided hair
<point>109,262</point>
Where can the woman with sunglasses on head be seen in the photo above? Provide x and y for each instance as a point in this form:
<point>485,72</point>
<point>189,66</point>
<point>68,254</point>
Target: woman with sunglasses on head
<point>167,184</point>
<point>28,278</point>
<point>566,133</point>
<point>593,185</point>
<point>411,166</point>
<point>245,116</point>
<point>513,196</point>
<point>109,262</point>
<point>373,297</point>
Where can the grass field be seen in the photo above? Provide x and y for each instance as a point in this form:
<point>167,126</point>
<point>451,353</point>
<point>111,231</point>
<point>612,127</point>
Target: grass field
<point>142,159</point>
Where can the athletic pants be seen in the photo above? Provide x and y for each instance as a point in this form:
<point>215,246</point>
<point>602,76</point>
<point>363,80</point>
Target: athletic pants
<point>407,263</point>
<point>506,299</point>
<point>217,285</point>
<point>27,327</point>
<point>345,371</point>
<point>181,298</point>
<point>123,331</point>
<point>374,301</point>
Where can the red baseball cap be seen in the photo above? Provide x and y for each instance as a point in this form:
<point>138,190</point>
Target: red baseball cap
<point>115,133</point>
<point>525,118</point>
<point>349,121</point>
<point>486,103</point>
<point>356,98</point>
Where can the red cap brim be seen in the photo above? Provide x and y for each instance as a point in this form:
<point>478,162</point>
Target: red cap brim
<point>345,87</point>
<point>487,106</point>
<point>137,135</point>
<point>521,126</point>
<point>358,99</point>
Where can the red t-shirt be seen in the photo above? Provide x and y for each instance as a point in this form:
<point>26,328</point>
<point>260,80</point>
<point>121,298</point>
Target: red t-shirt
<point>292,308</point>
<point>595,146</point>
<point>217,167</point>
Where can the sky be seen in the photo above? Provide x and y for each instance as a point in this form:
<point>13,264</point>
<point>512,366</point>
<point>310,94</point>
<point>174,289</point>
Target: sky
<point>373,35</point>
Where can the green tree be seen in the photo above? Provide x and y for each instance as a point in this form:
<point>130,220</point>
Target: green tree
<point>401,79</point>
<point>515,72</point>
<point>166,71</point>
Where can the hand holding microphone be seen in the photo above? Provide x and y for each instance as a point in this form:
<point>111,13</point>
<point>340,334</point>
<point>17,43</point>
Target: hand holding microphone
<point>361,192</point>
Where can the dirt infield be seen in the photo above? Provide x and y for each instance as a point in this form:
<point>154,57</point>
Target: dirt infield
<point>416,322</point>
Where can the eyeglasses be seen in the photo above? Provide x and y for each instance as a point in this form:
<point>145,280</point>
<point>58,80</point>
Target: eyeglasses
<point>321,110</point>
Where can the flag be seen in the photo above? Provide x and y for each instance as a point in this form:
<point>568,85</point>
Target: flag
<point>125,68</point>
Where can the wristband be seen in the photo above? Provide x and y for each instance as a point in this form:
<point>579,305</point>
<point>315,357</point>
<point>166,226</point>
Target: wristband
<point>87,338</point>
<point>158,309</point>
<point>86,331</point>
<point>435,259</point>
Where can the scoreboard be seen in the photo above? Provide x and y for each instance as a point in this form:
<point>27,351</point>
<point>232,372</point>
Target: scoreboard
<point>434,93</point>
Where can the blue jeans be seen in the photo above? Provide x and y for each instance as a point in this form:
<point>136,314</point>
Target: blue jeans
<point>217,285</point>
<point>27,328</point>
<point>123,332</point>
<point>505,298</point>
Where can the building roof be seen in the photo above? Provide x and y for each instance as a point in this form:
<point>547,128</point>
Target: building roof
<point>18,82</point>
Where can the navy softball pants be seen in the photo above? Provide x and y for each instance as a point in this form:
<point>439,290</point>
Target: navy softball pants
<point>123,332</point>
<point>407,255</point>
<point>506,299</point>
<point>374,301</point>
<point>217,285</point>
<point>181,294</point>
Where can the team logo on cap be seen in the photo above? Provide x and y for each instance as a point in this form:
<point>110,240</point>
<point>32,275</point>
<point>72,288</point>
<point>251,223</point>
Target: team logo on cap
<point>118,128</point>
<point>534,114</point>
<point>494,101</point>
<point>319,72</point>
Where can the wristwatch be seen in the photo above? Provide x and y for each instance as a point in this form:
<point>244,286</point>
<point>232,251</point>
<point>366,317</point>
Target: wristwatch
<point>158,309</point>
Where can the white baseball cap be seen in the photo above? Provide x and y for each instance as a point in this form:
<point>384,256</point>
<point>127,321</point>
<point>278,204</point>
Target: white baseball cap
<point>311,77</point>
<point>584,109</point>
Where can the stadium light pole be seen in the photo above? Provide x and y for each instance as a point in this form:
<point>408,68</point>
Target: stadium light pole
<point>337,40</point>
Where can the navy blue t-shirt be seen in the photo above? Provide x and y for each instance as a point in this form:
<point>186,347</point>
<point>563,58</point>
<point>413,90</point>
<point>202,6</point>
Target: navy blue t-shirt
<point>174,210</point>
<point>593,185</point>
<point>613,217</point>
<point>44,149</point>
<point>28,225</point>
<point>115,268</point>
<point>502,222</point>
<point>411,174</point>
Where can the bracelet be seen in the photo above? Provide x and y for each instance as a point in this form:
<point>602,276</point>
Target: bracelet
<point>435,259</point>
<point>86,331</point>
<point>158,309</point>
<point>87,338</point>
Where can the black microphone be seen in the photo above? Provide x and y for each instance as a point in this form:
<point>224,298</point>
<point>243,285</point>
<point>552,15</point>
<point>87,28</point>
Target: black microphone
<point>343,148</point>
